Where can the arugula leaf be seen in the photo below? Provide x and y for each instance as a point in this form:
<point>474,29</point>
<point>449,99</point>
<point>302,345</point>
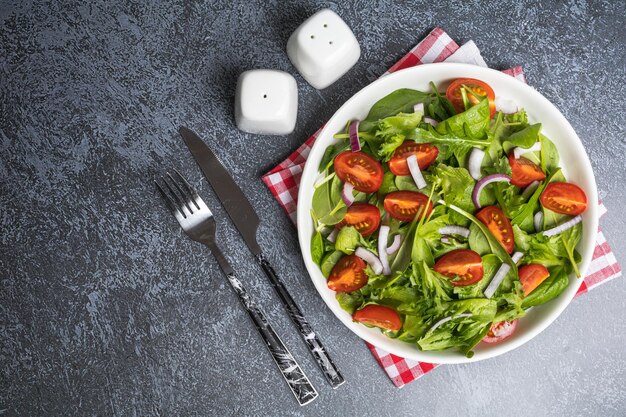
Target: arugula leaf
<point>400,101</point>
<point>473,122</point>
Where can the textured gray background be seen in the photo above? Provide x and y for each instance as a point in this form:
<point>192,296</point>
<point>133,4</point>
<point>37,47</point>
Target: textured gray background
<point>106,309</point>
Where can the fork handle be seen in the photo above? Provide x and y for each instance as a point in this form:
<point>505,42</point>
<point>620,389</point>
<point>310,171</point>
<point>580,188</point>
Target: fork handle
<point>293,374</point>
<point>325,363</point>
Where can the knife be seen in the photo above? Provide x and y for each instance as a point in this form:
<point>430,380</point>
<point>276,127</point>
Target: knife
<point>246,221</point>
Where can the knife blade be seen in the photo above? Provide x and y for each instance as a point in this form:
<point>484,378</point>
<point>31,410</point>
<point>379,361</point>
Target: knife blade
<point>233,199</point>
<point>246,221</point>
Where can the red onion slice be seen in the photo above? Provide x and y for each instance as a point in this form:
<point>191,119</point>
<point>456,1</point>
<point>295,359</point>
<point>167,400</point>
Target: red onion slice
<point>455,230</point>
<point>530,189</point>
<point>447,319</point>
<point>383,235</point>
<point>478,188</point>
<point>563,227</point>
<point>355,143</point>
<point>395,245</point>
<point>431,122</point>
<point>474,163</point>
<point>538,221</point>
<point>416,173</point>
<point>497,280</point>
<point>517,256</point>
<point>445,240</point>
<point>346,194</point>
<point>517,152</point>
<point>370,258</point>
<point>332,236</point>
<point>419,107</point>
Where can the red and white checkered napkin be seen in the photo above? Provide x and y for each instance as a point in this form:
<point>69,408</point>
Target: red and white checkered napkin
<point>284,179</point>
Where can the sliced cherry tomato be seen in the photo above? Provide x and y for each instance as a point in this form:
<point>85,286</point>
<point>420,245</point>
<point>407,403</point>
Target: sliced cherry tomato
<point>524,171</point>
<point>364,217</point>
<point>359,169</point>
<point>404,205</point>
<point>500,331</point>
<point>564,198</point>
<point>348,274</point>
<point>379,316</point>
<point>463,265</point>
<point>480,88</point>
<point>425,153</point>
<point>531,276</point>
<point>499,226</point>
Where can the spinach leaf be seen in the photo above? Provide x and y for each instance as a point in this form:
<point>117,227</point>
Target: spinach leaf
<point>400,101</point>
<point>549,156</point>
<point>329,261</point>
<point>405,183</point>
<point>403,256</point>
<point>347,240</point>
<point>317,247</point>
<point>388,185</point>
<point>477,241</point>
<point>524,138</point>
<point>331,152</point>
<point>328,206</point>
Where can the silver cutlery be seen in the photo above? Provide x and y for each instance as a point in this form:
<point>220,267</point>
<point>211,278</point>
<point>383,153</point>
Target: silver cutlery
<point>246,221</point>
<point>197,221</point>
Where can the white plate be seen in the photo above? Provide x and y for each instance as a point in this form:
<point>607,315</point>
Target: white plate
<point>574,162</point>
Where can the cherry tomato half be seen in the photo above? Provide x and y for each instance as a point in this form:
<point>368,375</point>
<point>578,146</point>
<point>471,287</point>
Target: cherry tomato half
<point>480,88</point>
<point>524,171</point>
<point>348,274</point>
<point>425,153</point>
<point>359,169</point>
<point>363,216</point>
<point>499,226</point>
<point>404,205</point>
<point>463,265</point>
<point>531,276</point>
<point>564,198</point>
<point>500,331</point>
<point>379,316</point>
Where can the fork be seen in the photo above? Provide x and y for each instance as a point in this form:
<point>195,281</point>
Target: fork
<point>198,223</point>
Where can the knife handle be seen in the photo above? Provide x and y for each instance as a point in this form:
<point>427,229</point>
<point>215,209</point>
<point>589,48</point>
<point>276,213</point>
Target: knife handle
<point>332,374</point>
<point>293,374</point>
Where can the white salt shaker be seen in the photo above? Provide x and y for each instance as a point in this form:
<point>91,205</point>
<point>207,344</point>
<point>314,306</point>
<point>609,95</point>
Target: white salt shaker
<point>266,102</point>
<point>323,48</point>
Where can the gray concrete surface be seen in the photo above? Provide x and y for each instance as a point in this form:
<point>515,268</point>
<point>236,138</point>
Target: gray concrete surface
<point>106,309</point>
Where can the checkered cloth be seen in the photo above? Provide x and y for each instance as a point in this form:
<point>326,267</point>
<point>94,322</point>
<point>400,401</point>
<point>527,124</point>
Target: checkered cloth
<point>284,179</point>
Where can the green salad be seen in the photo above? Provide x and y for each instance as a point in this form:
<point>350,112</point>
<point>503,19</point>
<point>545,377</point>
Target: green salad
<point>441,220</point>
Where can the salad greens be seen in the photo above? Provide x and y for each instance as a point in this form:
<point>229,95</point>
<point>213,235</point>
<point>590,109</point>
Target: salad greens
<point>424,303</point>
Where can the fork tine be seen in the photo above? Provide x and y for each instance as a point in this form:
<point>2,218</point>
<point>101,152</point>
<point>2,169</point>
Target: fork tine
<point>190,191</point>
<point>185,196</point>
<point>178,199</point>
<point>168,199</point>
